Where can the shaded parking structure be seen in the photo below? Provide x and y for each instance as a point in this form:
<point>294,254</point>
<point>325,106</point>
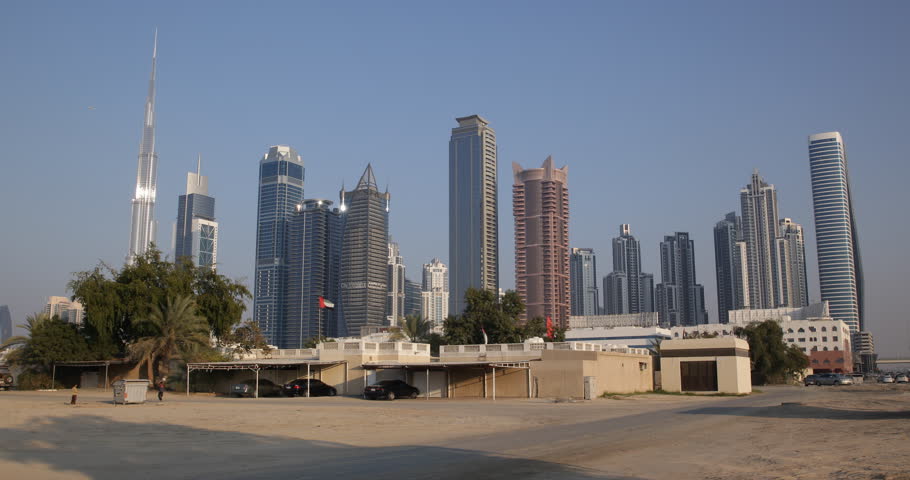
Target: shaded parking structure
<point>333,372</point>
<point>456,379</point>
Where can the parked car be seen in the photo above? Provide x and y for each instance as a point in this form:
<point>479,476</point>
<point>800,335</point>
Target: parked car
<point>887,379</point>
<point>834,379</point>
<point>390,390</point>
<point>810,380</point>
<point>247,388</point>
<point>298,388</point>
<point>902,379</point>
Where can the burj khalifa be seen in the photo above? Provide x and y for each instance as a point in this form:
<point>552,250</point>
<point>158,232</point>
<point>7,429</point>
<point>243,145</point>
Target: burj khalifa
<point>142,226</point>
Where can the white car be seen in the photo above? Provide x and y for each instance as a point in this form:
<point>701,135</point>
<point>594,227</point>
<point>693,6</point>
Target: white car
<point>887,379</point>
<point>902,379</point>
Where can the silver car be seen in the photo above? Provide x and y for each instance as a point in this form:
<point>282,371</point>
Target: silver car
<point>834,379</point>
<point>887,379</point>
<point>902,379</point>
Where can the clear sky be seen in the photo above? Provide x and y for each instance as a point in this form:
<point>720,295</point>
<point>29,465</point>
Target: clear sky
<point>660,109</point>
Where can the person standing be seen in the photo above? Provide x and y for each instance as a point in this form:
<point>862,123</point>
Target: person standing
<point>160,390</point>
<point>75,394</point>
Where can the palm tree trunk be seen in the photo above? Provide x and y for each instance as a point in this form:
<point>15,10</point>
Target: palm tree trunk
<point>148,366</point>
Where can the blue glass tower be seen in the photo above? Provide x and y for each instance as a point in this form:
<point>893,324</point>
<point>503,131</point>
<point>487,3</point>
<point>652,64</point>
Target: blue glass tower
<point>280,191</point>
<point>197,232</point>
<point>314,270</point>
<point>840,271</point>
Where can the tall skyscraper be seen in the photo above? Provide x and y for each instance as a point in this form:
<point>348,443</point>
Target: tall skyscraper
<point>280,191</point>
<point>732,269</point>
<point>793,285</point>
<point>365,254</point>
<point>759,231</point>
<point>197,230</point>
<point>435,292</point>
<point>840,268</point>
<point>473,217</point>
<point>540,204</point>
<point>583,282</point>
<point>395,305</point>
<point>314,270</point>
<point>6,324</point>
<point>413,299</point>
<point>627,289</point>
<point>680,299</point>
<point>142,223</point>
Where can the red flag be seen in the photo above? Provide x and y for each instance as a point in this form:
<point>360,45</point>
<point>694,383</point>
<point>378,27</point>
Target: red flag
<point>549,328</point>
<point>323,303</point>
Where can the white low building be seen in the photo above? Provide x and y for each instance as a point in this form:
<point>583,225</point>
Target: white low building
<point>644,319</point>
<point>810,335</point>
<point>633,337</point>
<point>745,317</point>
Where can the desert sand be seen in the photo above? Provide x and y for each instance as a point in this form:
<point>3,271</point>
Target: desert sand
<point>858,432</point>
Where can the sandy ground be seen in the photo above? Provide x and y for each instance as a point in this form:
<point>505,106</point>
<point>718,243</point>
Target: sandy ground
<point>858,432</point>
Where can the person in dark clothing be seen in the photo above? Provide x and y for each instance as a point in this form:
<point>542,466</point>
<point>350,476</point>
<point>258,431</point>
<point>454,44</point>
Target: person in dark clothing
<point>161,390</point>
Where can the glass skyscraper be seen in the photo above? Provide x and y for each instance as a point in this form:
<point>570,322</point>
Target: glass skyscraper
<point>583,282</point>
<point>197,231</point>
<point>365,255</point>
<point>680,299</point>
<point>626,288</point>
<point>840,269</point>
<point>731,266</point>
<point>473,216</point>
<point>280,191</point>
<point>314,270</point>
<point>142,221</point>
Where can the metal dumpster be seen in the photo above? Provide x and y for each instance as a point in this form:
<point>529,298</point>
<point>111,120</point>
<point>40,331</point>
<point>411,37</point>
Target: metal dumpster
<point>130,391</point>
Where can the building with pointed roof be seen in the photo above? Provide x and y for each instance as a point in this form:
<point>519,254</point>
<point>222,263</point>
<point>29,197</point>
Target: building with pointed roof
<point>365,254</point>
<point>142,221</point>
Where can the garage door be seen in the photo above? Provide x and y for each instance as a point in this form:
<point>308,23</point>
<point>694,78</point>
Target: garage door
<point>698,376</point>
<point>437,383</point>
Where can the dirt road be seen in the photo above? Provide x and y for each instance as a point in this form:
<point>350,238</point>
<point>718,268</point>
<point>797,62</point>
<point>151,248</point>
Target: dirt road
<point>850,433</point>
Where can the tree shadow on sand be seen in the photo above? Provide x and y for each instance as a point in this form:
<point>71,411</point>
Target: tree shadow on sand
<point>103,448</point>
<point>802,411</point>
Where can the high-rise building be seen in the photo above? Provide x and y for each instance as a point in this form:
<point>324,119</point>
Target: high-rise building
<point>142,222</point>
<point>280,191</point>
<point>731,267</point>
<point>760,231</point>
<point>840,269</point>
<point>314,270</point>
<point>365,254</point>
<point>627,289</point>
<point>435,292</point>
<point>793,285</point>
<point>540,204</point>
<point>583,282</point>
<point>197,231</point>
<point>70,311</point>
<point>473,215</point>
<point>6,324</point>
<point>395,304</point>
<point>680,299</point>
<point>413,299</point>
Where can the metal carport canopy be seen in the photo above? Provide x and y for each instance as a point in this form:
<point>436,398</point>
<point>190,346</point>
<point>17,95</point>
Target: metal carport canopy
<point>88,363</point>
<point>427,366</point>
<point>265,364</point>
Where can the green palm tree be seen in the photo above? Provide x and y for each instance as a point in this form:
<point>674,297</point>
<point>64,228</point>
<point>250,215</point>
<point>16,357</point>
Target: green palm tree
<point>32,322</point>
<point>175,330</point>
<point>415,328</point>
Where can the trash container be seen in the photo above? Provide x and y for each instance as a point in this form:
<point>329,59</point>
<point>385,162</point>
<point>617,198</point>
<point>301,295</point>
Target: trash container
<point>130,391</point>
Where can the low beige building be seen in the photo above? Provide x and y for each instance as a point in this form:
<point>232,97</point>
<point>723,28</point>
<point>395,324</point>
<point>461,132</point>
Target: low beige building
<point>524,370</point>
<point>706,365</point>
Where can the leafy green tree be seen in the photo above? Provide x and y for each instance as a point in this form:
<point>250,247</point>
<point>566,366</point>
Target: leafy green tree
<point>246,338</point>
<point>115,300</point>
<point>773,361</point>
<point>50,340</point>
<point>174,331</point>
<point>313,341</point>
<point>484,311</point>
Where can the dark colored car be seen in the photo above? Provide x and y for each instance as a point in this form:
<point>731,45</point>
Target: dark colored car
<point>390,390</point>
<point>810,380</point>
<point>298,388</point>
<point>247,388</point>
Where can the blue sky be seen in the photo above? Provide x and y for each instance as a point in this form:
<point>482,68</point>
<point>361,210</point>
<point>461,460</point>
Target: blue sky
<point>660,109</point>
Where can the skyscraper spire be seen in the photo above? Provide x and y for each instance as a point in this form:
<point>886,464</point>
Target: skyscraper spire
<point>142,226</point>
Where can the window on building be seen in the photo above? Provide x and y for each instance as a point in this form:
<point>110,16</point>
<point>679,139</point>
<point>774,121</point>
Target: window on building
<point>825,349</point>
<point>801,340</point>
<point>835,338</point>
<point>824,329</point>
<point>836,349</point>
<point>789,330</point>
<point>824,339</point>
<point>811,329</point>
<point>801,330</point>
